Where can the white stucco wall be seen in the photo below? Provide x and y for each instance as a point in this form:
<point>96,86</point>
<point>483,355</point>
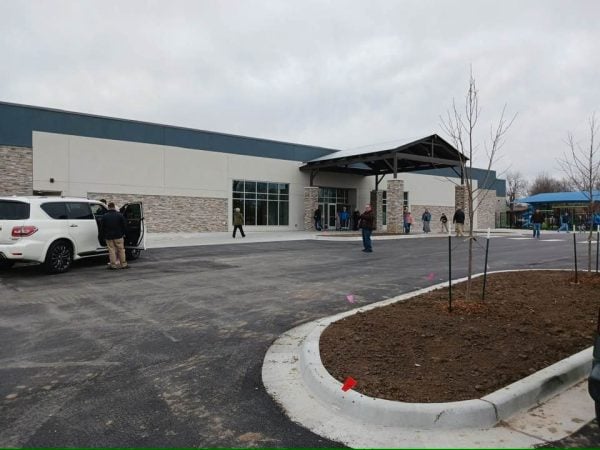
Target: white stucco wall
<point>80,165</point>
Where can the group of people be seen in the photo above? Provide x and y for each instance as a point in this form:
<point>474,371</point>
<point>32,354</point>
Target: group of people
<point>344,220</point>
<point>458,220</point>
<point>366,222</point>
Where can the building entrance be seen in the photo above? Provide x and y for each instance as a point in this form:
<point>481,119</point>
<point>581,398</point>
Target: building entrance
<point>330,216</point>
<point>332,201</point>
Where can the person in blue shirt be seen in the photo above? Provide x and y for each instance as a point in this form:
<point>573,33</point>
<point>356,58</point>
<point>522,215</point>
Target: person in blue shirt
<point>344,218</point>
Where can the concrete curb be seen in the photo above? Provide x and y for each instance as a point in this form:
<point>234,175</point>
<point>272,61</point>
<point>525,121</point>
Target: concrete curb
<point>477,413</point>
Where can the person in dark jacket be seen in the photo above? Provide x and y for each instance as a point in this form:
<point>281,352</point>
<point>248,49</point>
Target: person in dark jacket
<point>238,221</point>
<point>114,227</point>
<point>366,220</point>
<point>565,222</point>
<point>317,217</point>
<point>537,219</point>
<point>459,220</point>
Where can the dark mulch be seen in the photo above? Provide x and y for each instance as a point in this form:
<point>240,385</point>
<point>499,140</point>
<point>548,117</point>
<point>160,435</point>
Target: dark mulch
<point>417,351</point>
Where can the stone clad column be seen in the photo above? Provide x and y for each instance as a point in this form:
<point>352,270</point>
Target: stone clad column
<point>376,205</point>
<point>311,203</point>
<point>395,205</point>
<point>461,194</point>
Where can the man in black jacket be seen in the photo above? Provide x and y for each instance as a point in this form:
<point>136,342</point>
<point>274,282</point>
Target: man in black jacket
<point>459,220</point>
<point>366,224</point>
<point>114,227</point>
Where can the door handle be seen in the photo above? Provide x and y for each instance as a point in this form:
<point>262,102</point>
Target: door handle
<point>73,226</point>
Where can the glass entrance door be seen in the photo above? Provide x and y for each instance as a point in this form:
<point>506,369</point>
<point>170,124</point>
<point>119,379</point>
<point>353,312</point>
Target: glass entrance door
<point>331,216</point>
<point>328,215</point>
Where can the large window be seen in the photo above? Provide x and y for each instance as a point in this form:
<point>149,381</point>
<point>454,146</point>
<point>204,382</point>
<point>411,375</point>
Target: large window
<point>333,195</point>
<point>262,202</point>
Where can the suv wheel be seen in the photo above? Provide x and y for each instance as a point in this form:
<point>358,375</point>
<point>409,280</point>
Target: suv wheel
<point>6,264</point>
<point>59,257</point>
<point>133,254</point>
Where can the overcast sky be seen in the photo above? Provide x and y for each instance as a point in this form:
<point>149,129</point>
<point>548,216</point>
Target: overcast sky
<point>340,74</point>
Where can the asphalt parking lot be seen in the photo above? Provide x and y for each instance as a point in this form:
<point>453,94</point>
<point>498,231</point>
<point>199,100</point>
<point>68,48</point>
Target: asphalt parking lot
<point>169,353</point>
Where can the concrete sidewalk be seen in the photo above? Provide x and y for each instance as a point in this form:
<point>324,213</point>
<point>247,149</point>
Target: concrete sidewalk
<point>161,240</point>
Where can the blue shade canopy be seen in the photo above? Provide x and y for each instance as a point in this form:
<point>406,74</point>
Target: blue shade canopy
<point>560,197</point>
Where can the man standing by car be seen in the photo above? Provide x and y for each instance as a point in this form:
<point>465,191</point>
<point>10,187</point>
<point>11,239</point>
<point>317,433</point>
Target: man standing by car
<point>113,230</point>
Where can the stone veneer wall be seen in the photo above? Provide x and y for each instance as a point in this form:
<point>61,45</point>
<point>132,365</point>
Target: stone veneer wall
<point>166,213</point>
<point>311,203</point>
<point>486,211</point>
<point>461,195</point>
<point>486,204</point>
<point>16,171</point>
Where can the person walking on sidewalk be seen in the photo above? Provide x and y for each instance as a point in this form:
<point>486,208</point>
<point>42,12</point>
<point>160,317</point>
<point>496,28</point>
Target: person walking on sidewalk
<point>114,227</point>
<point>459,220</point>
<point>238,222</point>
<point>565,222</point>
<point>426,219</point>
<point>366,220</point>
<point>444,222</point>
<point>537,219</point>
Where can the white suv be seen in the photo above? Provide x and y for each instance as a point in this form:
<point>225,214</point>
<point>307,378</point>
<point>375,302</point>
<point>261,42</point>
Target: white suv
<point>55,231</point>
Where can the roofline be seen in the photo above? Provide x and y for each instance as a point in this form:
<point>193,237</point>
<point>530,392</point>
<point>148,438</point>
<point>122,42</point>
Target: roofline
<point>332,157</point>
<point>176,127</point>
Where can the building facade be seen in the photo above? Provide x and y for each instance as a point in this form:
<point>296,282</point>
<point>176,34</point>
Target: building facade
<point>191,180</point>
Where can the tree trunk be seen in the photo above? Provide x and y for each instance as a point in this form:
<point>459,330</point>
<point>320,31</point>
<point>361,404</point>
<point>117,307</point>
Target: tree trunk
<point>470,265</point>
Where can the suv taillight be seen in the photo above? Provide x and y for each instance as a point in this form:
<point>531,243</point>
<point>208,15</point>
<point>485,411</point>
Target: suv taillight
<point>24,231</point>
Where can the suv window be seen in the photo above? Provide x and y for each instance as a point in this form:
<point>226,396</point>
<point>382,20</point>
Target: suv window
<point>11,210</point>
<point>56,210</point>
<point>79,211</point>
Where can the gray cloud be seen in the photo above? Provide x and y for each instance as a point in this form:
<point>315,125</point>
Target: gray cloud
<point>341,74</point>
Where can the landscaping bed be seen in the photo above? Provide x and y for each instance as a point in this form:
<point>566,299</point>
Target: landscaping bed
<point>418,351</point>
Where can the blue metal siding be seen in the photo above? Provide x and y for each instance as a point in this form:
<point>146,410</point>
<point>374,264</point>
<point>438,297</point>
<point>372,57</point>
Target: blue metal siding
<point>17,123</point>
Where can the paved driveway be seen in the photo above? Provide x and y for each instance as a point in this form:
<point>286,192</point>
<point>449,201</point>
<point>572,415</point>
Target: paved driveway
<point>169,353</point>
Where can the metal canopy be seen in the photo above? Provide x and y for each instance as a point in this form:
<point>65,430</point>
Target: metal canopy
<point>431,152</point>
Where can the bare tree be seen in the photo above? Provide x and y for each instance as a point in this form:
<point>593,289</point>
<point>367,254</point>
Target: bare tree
<point>516,188</point>
<point>460,126</point>
<point>581,165</point>
<point>545,183</point>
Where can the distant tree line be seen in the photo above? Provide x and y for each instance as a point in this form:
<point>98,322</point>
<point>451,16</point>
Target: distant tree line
<point>517,186</point>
